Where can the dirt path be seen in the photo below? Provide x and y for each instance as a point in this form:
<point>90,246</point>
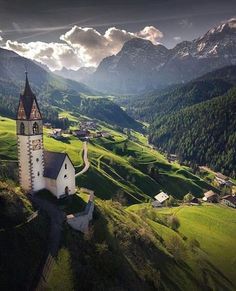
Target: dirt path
<point>85,158</point>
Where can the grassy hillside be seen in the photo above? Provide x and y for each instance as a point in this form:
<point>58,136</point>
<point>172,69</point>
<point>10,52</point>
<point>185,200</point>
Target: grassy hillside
<point>213,226</point>
<point>126,250</point>
<point>23,244</point>
<point>118,164</point>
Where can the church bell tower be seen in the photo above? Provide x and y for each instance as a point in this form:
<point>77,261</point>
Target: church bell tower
<point>29,127</point>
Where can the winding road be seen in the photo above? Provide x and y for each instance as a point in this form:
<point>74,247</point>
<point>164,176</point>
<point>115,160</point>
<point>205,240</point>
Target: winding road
<point>85,158</point>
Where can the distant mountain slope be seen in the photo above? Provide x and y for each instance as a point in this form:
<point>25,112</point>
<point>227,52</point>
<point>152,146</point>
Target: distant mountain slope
<point>53,92</point>
<point>13,67</point>
<point>204,133</point>
<point>161,102</point>
<point>78,75</point>
<point>196,120</point>
<point>141,66</point>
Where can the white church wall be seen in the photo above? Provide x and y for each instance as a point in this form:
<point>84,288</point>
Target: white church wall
<point>66,178</point>
<point>24,162</point>
<point>51,185</point>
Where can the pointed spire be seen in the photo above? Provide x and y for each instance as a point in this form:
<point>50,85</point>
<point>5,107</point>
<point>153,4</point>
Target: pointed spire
<point>29,100</point>
<point>27,90</point>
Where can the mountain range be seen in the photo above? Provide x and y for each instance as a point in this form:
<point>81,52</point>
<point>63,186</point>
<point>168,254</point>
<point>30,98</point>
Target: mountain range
<point>142,66</point>
<point>80,75</point>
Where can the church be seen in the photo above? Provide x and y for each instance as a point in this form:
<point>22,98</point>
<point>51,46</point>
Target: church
<point>39,169</point>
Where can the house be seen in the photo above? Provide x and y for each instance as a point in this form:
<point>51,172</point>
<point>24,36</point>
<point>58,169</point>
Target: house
<point>211,196</point>
<point>81,133</point>
<point>160,199</point>
<point>194,201</point>
<point>39,169</point>
<point>223,180</point>
<point>156,204</point>
<point>59,174</point>
<point>57,133</point>
<point>229,200</point>
<point>172,157</point>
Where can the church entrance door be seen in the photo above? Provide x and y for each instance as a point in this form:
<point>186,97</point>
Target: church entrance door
<point>67,190</point>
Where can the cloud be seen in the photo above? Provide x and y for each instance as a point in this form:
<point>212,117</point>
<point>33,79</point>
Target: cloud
<point>177,38</point>
<point>54,55</point>
<point>81,46</point>
<point>151,33</point>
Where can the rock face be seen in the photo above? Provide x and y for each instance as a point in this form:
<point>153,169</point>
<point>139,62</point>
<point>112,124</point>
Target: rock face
<point>140,65</point>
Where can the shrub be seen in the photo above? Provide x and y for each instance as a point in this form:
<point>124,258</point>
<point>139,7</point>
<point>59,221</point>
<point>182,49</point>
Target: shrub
<point>176,247</point>
<point>173,222</point>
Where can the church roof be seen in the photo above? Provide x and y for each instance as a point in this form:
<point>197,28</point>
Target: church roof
<point>53,162</point>
<point>28,98</point>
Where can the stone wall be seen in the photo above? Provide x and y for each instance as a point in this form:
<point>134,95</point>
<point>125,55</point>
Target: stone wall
<point>80,221</point>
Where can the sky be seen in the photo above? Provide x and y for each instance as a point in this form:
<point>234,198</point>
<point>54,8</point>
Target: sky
<point>75,33</point>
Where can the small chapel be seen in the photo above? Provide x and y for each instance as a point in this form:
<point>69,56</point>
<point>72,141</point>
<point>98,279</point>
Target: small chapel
<point>39,169</point>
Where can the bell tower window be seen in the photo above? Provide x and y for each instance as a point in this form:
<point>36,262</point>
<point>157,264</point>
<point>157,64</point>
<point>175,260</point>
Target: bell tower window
<point>35,128</point>
<point>22,128</point>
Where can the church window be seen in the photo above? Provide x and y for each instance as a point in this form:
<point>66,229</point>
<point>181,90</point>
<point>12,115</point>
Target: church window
<point>65,176</point>
<point>66,166</point>
<point>37,160</point>
<point>38,174</point>
<point>35,128</point>
<point>22,128</point>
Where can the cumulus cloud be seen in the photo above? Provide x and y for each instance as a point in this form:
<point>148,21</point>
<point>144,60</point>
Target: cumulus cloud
<point>81,46</point>
<point>151,33</point>
<point>94,46</point>
<point>54,55</point>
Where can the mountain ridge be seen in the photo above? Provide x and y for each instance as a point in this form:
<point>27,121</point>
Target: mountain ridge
<point>141,65</point>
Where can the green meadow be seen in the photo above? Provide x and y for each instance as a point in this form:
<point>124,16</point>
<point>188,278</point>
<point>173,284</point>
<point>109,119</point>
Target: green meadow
<point>118,164</point>
<point>213,226</point>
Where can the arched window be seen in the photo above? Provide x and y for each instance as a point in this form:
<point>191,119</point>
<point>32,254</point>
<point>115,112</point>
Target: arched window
<point>35,128</point>
<point>65,166</point>
<point>22,128</point>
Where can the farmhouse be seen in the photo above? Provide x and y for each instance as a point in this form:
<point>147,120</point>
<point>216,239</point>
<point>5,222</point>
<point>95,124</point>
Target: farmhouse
<point>211,196</point>
<point>57,133</point>
<point>229,200</point>
<point>194,201</point>
<point>81,133</point>
<point>222,180</point>
<point>39,169</point>
<point>160,199</point>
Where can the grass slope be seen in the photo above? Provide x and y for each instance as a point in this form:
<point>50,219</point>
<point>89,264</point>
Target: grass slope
<point>117,163</point>
<point>23,244</point>
<point>213,226</point>
<point>125,250</point>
